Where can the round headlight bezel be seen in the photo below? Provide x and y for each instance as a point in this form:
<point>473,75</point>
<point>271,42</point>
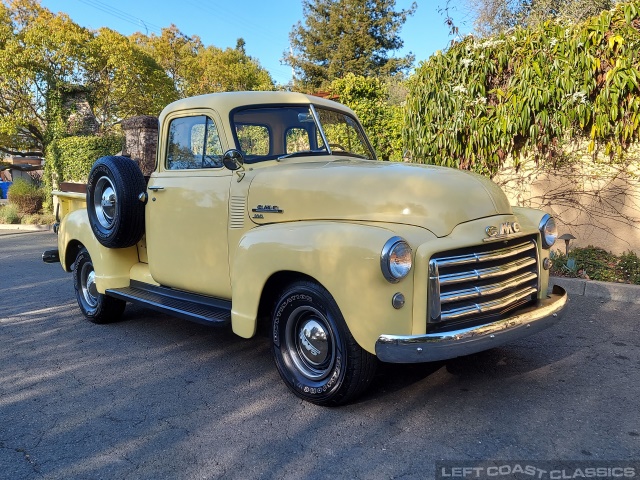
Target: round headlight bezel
<point>396,259</point>
<point>548,231</point>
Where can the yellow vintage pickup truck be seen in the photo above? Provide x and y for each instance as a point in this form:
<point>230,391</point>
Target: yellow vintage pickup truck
<point>271,207</point>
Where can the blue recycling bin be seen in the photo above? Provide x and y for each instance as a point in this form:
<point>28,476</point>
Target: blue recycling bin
<point>4,189</point>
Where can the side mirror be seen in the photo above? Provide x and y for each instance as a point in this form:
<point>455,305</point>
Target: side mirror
<point>233,160</point>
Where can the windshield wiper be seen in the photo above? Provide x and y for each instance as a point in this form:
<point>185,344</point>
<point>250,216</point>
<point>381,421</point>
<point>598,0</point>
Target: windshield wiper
<point>302,153</point>
<point>349,154</point>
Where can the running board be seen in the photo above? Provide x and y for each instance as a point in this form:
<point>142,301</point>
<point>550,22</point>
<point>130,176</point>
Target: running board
<point>196,308</point>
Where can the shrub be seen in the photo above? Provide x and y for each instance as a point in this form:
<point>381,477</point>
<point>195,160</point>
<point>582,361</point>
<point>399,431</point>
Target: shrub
<point>629,268</point>
<point>597,264</point>
<point>559,266</point>
<point>369,98</point>
<point>26,197</point>
<point>9,214</point>
<point>38,219</point>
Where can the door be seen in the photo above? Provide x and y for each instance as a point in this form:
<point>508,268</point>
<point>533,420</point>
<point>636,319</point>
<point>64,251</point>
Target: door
<point>187,208</point>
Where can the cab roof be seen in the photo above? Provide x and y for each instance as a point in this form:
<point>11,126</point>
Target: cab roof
<point>223,103</point>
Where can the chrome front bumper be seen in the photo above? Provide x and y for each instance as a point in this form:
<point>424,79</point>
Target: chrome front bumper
<point>444,345</point>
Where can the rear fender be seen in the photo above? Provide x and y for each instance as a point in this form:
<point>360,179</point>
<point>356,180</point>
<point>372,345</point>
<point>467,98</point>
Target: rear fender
<point>111,265</point>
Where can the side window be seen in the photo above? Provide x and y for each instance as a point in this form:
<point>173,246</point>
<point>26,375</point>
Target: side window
<point>254,139</point>
<point>342,133</point>
<point>193,143</point>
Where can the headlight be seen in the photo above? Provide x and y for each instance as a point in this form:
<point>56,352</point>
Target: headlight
<point>548,231</point>
<point>395,260</point>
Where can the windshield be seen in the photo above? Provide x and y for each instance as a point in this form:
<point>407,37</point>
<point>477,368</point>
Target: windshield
<point>270,132</point>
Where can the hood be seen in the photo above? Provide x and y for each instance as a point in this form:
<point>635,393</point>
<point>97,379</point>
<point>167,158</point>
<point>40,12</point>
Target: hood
<point>436,198</point>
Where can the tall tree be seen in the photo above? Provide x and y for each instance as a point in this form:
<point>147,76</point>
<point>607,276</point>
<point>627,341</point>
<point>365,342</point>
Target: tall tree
<point>175,52</point>
<point>196,69</point>
<point>347,36</point>
<point>39,53</point>
<point>125,80</point>
<point>45,56</point>
<point>42,54</point>
<point>229,70</point>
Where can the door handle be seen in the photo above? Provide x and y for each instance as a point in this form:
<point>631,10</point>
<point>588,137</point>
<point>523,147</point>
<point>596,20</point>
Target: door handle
<point>156,188</point>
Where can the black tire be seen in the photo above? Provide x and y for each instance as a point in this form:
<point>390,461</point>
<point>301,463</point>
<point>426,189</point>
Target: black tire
<point>314,351</point>
<point>115,213</point>
<point>98,308</point>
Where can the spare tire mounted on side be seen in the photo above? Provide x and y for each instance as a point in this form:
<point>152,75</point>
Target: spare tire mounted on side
<point>115,213</point>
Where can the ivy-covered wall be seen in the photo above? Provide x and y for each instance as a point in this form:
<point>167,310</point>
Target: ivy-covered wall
<point>529,91</point>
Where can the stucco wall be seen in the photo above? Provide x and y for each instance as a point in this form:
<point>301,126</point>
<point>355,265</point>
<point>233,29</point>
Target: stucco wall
<point>596,203</point>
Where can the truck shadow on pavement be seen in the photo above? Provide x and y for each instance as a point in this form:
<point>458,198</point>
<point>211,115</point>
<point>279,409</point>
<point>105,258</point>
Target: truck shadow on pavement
<point>509,361</point>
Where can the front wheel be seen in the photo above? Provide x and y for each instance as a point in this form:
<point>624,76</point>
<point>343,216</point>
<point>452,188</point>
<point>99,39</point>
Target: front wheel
<point>98,308</point>
<point>314,351</point>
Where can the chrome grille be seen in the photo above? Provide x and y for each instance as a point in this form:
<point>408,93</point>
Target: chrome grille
<point>484,281</point>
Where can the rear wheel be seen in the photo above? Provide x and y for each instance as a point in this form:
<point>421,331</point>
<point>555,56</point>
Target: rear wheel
<point>313,349</point>
<point>98,308</point>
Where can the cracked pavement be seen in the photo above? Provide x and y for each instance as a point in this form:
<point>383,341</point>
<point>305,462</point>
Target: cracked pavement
<point>157,397</point>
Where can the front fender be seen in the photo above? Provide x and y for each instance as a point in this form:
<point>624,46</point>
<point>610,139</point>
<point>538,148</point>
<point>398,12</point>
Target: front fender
<point>343,257</point>
<point>530,219</point>
<point>111,265</point>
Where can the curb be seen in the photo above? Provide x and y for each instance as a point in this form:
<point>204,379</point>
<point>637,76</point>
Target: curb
<point>25,228</point>
<point>617,292</point>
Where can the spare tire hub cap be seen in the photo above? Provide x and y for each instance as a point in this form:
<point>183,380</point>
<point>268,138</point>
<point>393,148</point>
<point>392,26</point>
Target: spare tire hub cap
<point>106,201</point>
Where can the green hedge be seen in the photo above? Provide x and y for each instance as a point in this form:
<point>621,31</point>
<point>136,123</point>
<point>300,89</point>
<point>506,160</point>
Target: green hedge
<point>527,91</point>
<point>70,159</point>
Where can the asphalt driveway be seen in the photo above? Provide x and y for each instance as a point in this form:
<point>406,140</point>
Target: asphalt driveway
<point>156,397</point>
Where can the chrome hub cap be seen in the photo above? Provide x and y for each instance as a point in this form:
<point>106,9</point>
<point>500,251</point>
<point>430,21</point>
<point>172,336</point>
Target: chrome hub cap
<point>310,343</point>
<point>313,338</point>
<point>105,202</point>
<point>88,285</point>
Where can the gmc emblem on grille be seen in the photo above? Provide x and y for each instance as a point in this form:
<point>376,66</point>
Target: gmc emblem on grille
<point>506,229</point>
